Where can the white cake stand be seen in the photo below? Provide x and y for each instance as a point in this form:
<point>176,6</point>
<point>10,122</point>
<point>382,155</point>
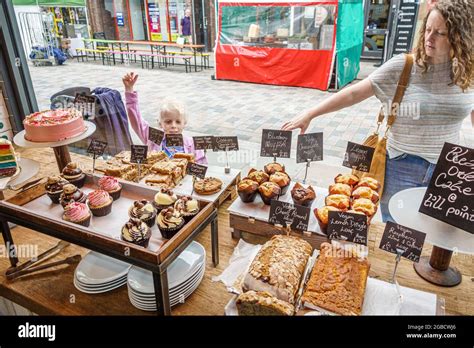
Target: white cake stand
<point>60,148</point>
<point>446,239</point>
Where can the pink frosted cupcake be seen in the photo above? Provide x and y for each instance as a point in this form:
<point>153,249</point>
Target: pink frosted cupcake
<point>77,213</point>
<point>100,202</point>
<point>111,185</point>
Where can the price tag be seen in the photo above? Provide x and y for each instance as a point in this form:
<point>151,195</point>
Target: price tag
<point>226,144</point>
<point>358,157</point>
<point>139,154</point>
<point>203,143</point>
<point>349,227</point>
<point>155,135</point>
<point>174,140</point>
<point>97,147</point>
<point>86,104</point>
<point>275,143</point>
<point>287,214</point>
<point>196,170</point>
<point>408,240</point>
<point>309,147</point>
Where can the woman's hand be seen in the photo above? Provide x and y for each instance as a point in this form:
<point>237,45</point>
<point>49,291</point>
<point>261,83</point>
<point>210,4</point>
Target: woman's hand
<point>301,121</point>
<point>129,81</point>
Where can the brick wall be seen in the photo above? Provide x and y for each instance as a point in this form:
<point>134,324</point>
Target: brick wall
<point>100,19</point>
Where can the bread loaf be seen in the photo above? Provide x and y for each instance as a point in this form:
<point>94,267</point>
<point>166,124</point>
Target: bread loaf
<point>262,303</point>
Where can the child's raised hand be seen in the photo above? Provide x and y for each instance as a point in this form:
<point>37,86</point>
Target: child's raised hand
<point>129,81</point>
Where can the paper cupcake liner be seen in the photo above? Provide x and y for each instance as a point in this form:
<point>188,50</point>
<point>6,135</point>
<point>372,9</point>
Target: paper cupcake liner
<point>101,211</point>
<point>79,182</point>
<point>322,226</point>
<point>304,203</point>
<point>160,207</point>
<point>247,197</point>
<point>168,233</point>
<point>115,194</point>
<point>143,243</point>
<point>85,222</point>
<point>54,197</point>
<point>284,189</point>
<point>188,217</point>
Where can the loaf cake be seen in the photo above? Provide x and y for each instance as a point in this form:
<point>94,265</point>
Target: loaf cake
<point>278,267</point>
<point>262,303</point>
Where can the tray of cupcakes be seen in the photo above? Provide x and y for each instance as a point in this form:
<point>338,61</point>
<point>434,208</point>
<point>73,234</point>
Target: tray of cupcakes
<point>113,213</point>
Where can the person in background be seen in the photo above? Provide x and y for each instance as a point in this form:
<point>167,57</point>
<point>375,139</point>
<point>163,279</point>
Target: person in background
<point>172,120</point>
<point>186,27</point>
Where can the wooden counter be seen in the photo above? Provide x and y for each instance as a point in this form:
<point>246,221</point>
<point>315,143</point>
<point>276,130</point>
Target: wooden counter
<point>53,292</point>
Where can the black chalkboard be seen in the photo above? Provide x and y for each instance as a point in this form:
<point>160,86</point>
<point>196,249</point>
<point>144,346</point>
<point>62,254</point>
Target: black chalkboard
<point>174,140</point>
<point>203,143</point>
<point>97,147</point>
<point>86,104</point>
<point>275,143</point>
<point>196,170</point>
<point>309,147</point>
<point>407,240</point>
<point>155,135</point>
<point>405,23</point>
<point>225,144</point>
<point>349,227</point>
<point>450,193</point>
<point>139,153</point>
<point>287,214</point>
<point>358,157</point>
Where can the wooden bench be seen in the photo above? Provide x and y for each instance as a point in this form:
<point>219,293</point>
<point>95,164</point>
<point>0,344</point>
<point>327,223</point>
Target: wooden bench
<point>111,54</point>
<point>204,57</point>
<point>88,50</point>
<point>150,57</point>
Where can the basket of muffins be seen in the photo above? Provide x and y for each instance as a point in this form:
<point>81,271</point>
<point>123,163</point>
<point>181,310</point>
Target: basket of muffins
<point>351,194</point>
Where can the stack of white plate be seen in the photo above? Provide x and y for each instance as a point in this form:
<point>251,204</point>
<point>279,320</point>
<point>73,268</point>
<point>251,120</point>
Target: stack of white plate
<point>184,276</point>
<point>97,273</point>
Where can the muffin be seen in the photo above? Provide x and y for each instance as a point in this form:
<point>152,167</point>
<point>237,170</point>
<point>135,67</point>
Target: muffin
<point>74,174</point>
<point>164,198</point>
<point>322,215</point>
<point>361,213</point>
<point>367,181</point>
<point>339,201</point>
<point>137,232</point>
<point>303,196</point>
<point>365,206</point>
<point>272,168</point>
<point>259,176</point>
<point>77,213</point>
<point>54,187</point>
<point>247,190</point>
<point>99,202</point>
<point>169,222</point>
<point>143,210</point>
<point>187,206</point>
<point>111,185</point>
<point>340,189</point>
<point>268,191</point>
<point>72,194</point>
<point>281,179</point>
<point>366,192</point>
<point>348,179</point>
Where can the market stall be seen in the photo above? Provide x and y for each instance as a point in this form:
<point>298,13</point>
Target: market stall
<point>301,43</point>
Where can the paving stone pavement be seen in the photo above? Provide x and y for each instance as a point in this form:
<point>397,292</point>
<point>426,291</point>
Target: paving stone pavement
<point>217,107</point>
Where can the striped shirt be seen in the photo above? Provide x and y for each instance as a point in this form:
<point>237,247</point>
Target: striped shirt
<point>431,112</point>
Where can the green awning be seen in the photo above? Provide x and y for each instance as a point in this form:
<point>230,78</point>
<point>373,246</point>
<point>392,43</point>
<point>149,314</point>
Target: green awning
<point>62,3</point>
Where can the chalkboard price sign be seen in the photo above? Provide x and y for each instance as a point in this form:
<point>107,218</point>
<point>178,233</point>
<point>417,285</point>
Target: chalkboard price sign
<point>349,227</point>
<point>174,140</point>
<point>196,170</point>
<point>275,143</point>
<point>204,143</point>
<point>155,135</point>
<point>225,144</point>
<point>139,154</point>
<point>309,147</point>
<point>86,104</point>
<point>287,214</point>
<point>358,157</point>
<point>408,241</point>
<point>97,147</point>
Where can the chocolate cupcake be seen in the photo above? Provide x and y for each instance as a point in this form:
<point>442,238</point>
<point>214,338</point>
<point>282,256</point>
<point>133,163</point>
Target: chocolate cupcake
<point>169,222</point>
<point>74,174</point>
<point>72,194</point>
<point>187,206</point>
<point>272,168</point>
<point>164,198</point>
<point>303,196</point>
<point>100,202</point>
<point>143,210</point>
<point>268,191</point>
<point>54,187</point>
<point>137,232</point>
<point>111,185</point>
<point>77,213</point>
<point>281,179</point>
<point>247,190</point>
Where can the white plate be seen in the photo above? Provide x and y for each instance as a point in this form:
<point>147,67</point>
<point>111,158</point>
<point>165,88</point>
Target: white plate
<point>97,268</point>
<point>178,272</point>
<point>100,290</point>
<point>98,286</point>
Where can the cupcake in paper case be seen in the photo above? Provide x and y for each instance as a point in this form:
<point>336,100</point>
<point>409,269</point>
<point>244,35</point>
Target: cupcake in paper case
<point>303,196</point>
<point>322,215</point>
<point>272,168</point>
<point>77,213</point>
<point>143,210</point>
<point>281,179</point>
<point>169,222</point>
<point>100,202</point>
<point>72,194</point>
<point>74,174</point>
<point>187,206</point>
<point>137,232</point>
<point>111,185</point>
<point>164,198</point>
<point>268,191</point>
<point>54,187</point>
<point>247,190</point>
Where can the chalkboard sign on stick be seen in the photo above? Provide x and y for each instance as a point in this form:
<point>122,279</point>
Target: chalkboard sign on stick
<point>358,157</point>
<point>155,135</point>
<point>287,214</point>
<point>405,239</point>
<point>203,143</point>
<point>309,147</point>
<point>275,143</point>
<point>139,154</point>
<point>349,227</point>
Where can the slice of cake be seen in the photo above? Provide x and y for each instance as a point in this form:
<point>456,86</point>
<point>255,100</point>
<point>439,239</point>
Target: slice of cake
<point>262,303</point>
<point>8,165</point>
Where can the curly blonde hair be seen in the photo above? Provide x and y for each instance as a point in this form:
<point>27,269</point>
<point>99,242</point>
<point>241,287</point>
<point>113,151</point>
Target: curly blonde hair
<point>458,17</point>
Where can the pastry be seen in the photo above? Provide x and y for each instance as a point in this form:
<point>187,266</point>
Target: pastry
<point>99,202</point>
<point>367,181</point>
<point>54,187</point>
<point>137,232</point>
<point>281,179</point>
<point>187,206</point>
<point>187,156</point>
<point>169,222</point>
<point>156,156</point>
<point>71,194</point>
<point>143,210</point>
<point>322,215</point>
<point>164,167</point>
<point>53,125</point>
<point>208,186</point>
<point>348,179</point>
<point>77,213</point>
<point>74,174</point>
<point>338,281</point>
<point>181,163</point>
<point>268,191</point>
<point>111,185</point>
<point>340,189</point>
<point>272,168</point>
<point>8,164</point>
<point>262,303</point>
<point>162,179</point>
<point>258,176</point>
<point>303,196</point>
<point>365,192</point>
<point>164,198</point>
<point>364,205</point>
<point>278,267</point>
<point>339,201</point>
<point>247,190</point>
